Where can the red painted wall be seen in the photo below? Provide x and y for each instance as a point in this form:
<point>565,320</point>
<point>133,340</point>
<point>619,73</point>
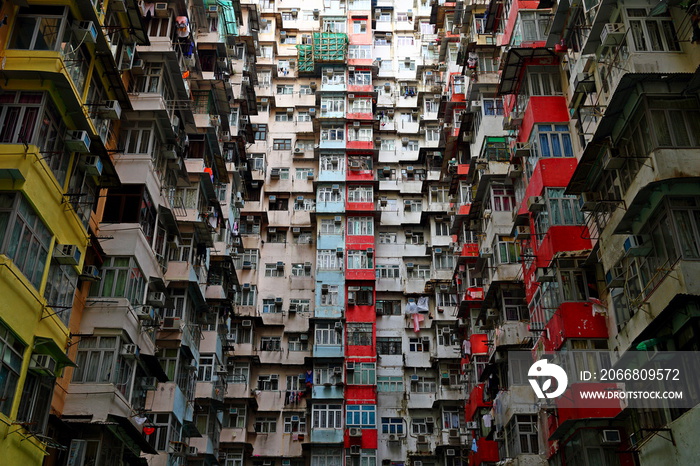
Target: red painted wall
<point>562,238</point>
<point>360,394</point>
<point>551,172</point>
<point>510,24</point>
<point>368,439</point>
<point>542,109</point>
<point>573,320</point>
<point>475,401</point>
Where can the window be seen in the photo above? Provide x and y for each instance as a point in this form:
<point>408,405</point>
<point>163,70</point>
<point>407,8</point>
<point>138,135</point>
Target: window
<point>413,205</point>
<point>282,116</point>
<point>450,419</point>
<point>360,51</point>
<point>389,345</point>
<point>361,106</point>
<point>268,382</point>
<point>521,434</point>
<point>419,271</point>
<point>295,423</point>
<point>11,357</point>
<point>359,334</point>
<point>168,429</point>
<point>278,203</point>
<point>286,89</point>
<point>303,173</point>
<point>299,270</point>
<point>98,361</point>
<point>392,425</point>
<point>327,259</point>
<point>330,227</point>
<point>544,82</point>
<point>295,343</point>
<point>260,132</point>
<point>236,417</point>
<point>23,236</point>
<point>326,457</point>
<point>327,416</point>
<point>364,416</point>
<point>652,33</point>
<point>360,194</point>
<point>334,163</point>
<point>274,269</point>
<point>442,229</point>
<point>360,134</point>
<point>443,260</point>
<point>562,209</point>
<point>332,133</point>
<point>387,271</point>
<point>365,373</point>
<point>329,295</point>
<point>493,107</point>
<point>419,345</point>
<point>422,426</point>
<point>407,65</point>
<point>388,307</point>
<point>424,384</point>
<point>445,299</point>
<point>270,344</point>
<point>327,334</point>
<point>359,27</point>
<point>502,198</point>
<point>268,306</point>
<point>247,260</point>
<point>361,226</point>
<point>359,260</point>
<point>304,89</point>
<point>265,425</point>
<point>388,144</point>
<point>405,41</point>
<point>554,141</point>
<point>121,277</point>
<point>389,384</point>
<point>332,105</point>
<point>532,26</point>
<point>328,373</point>
<point>507,250</point>
<point>360,78</point>
<point>386,237</point>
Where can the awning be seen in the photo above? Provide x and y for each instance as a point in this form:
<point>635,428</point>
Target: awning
<point>168,218</point>
<point>130,435</point>
<point>189,429</point>
<point>48,346</point>
<point>513,64</point>
<point>559,21</point>
<point>154,368</point>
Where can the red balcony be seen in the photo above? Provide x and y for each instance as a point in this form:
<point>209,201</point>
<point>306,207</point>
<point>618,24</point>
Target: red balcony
<point>361,61</point>
<point>356,174</point>
<point>365,88</point>
<point>359,116</point>
<point>479,343</point>
<point>360,145</point>
<point>470,252</point>
<point>475,401</point>
<point>368,439</point>
<point>464,209</point>
<point>571,408</point>
<point>486,452</point>
<point>359,206</point>
<point>360,274</point>
<point>574,320</point>
<point>474,296</point>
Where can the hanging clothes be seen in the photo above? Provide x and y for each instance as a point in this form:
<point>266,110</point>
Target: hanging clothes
<point>486,418</point>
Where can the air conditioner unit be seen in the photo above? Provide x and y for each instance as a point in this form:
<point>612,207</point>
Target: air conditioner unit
<point>149,383</point>
<point>410,265</point>
<point>356,449</point>
<point>212,9</point>
<point>350,366</point>
<point>329,72</point>
<point>404,141</point>
<point>356,124</point>
<point>637,245</point>
<point>335,188</point>
<point>171,323</point>
<point>338,326</point>
<point>472,425</point>
<point>130,351</point>
<point>156,298</point>
<point>383,200</point>
<point>351,300</point>
<point>162,10</point>
<point>492,312</point>
<point>93,165</point>
<point>612,34</point>
<point>414,377</point>
<point>43,364</point>
<point>393,438</point>
<point>307,265</point>
<point>351,96</point>
<point>313,86</point>
<point>67,254</point>
<point>137,66</point>
<point>450,451</point>
<point>78,141</point>
<point>589,200</point>
<point>298,150</point>
<point>272,199</point>
<point>324,289</point>
<point>615,277</point>
<point>338,220</point>
<point>221,369</point>
<point>296,231</point>
<point>246,286</point>
<point>437,251</point>
<point>303,337</point>
<point>355,432</point>
<point>422,439</point>
<point>275,173</point>
<point>250,218</point>
<point>486,253</point>
<point>91,272</point>
<point>192,451</point>
<point>110,110</point>
<point>85,31</point>
<point>535,203</point>
<point>407,204</point>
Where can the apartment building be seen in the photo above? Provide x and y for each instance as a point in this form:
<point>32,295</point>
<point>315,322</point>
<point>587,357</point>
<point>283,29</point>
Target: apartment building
<point>124,128</point>
<point>568,172</point>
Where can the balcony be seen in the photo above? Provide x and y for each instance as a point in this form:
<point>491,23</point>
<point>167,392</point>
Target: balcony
<point>487,452</point>
<point>360,274</point>
<point>331,175</point>
<point>473,298</point>
<point>408,127</point>
<point>468,253</point>
<point>356,174</point>
<point>475,401</point>
<point>574,320</point>
<point>360,145</point>
<point>328,351</point>
<point>332,144</point>
<point>359,206</point>
<point>327,435</point>
<point>327,392</point>
<point>571,408</point>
